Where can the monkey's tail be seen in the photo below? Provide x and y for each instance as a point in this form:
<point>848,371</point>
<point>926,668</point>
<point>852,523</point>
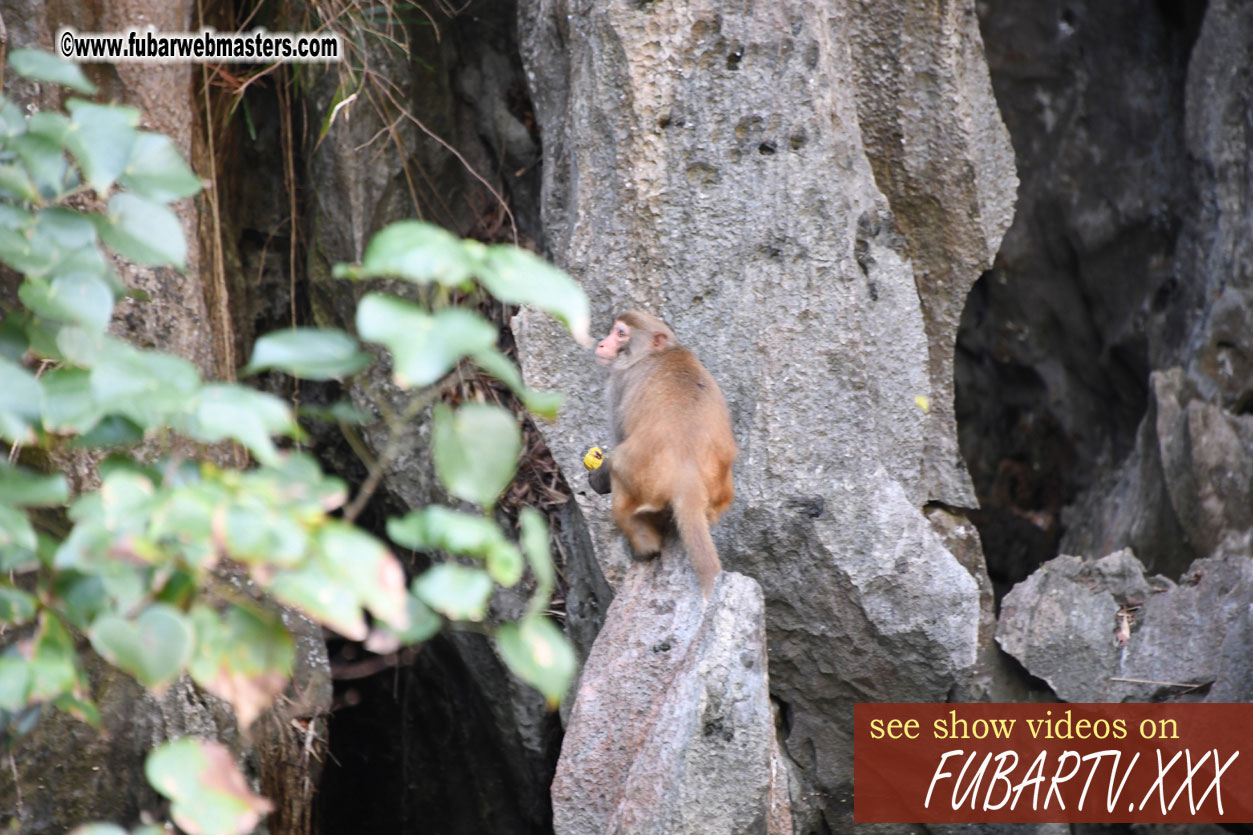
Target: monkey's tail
<point>689,516</point>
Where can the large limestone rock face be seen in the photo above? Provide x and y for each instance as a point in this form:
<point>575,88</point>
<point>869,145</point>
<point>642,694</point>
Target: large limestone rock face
<point>807,209</point>
<point>1182,491</point>
<point>1178,494</point>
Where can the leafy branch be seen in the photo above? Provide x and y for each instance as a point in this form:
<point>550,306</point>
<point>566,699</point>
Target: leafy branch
<point>177,566</point>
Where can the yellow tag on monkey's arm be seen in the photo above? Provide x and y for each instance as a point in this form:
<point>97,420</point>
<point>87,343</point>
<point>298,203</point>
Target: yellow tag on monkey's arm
<point>594,458</point>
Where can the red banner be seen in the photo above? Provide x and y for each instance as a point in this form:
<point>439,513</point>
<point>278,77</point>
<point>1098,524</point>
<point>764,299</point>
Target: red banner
<point>1063,763</point>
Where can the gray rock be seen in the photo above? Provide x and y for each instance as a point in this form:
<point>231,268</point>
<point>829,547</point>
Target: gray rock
<point>1188,641</point>
<point>1197,632</point>
<point>1187,488</point>
<point>1129,256</point>
<point>1207,463</point>
<point>1060,624</point>
<point>1133,507</point>
<point>995,677</point>
<point>737,171</point>
<point>1057,340</point>
<point>672,729</point>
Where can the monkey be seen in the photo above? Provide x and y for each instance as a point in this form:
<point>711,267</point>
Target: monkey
<point>672,442</point>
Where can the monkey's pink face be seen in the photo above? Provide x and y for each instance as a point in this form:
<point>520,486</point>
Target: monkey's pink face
<point>607,349</point>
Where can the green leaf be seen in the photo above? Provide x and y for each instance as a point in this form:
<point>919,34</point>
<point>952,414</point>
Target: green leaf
<point>415,251</point>
<point>157,171</point>
<point>321,595</point>
<point>126,586</point>
<point>38,65</point>
<point>438,527</point>
<point>73,231</point>
<point>504,565</point>
<point>309,353</point>
<point>19,560</point>
<point>542,403</point>
<point>44,162</point>
<point>186,514</point>
<point>341,411</point>
<point>72,344</point>
<point>98,829</point>
<point>143,230</point>
<point>258,534</point>
<point>41,337</point>
<point>69,405</point>
<point>54,242</point>
<point>516,276</point>
<point>14,681</point>
<point>184,522</point>
<point>534,537</point>
<point>455,591</point>
<point>179,588</point>
<point>15,181</point>
<point>81,299</point>
<point>53,661</point>
<point>82,598</point>
<point>126,500</point>
<point>23,488</point>
<point>12,339</point>
<point>12,120</point>
<point>208,794</point>
<point>476,450</point>
<point>423,624</point>
<point>16,606</point>
<point>20,396</point>
<point>50,124</point>
<point>226,410</point>
<point>15,529</point>
<point>100,136</point>
<point>14,430</point>
<point>80,709</point>
<point>90,260</point>
<point>125,372</point>
<point>148,387</point>
<point>538,654</point>
<point>302,487</point>
<point>364,564</point>
<point>112,431</point>
<point>124,463</point>
<point>14,218</point>
<point>243,656</point>
<point>84,548</point>
<point>424,347</point>
<point>21,250</point>
<point>154,648</point>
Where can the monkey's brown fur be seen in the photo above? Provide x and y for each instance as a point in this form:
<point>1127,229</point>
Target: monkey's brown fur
<point>673,447</point>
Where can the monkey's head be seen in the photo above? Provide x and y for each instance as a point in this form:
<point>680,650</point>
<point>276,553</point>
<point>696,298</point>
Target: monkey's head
<point>633,336</point>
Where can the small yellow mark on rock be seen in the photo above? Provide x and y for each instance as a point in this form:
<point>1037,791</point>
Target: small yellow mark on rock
<point>923,403</point>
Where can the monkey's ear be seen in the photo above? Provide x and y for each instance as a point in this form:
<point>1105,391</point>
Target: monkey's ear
<point>660,341</point>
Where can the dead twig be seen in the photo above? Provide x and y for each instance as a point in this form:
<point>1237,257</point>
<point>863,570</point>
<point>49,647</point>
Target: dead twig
<point>1187,686</point>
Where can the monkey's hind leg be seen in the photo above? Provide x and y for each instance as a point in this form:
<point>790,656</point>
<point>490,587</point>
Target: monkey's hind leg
<point>643,529</point>
<point>644,534</point>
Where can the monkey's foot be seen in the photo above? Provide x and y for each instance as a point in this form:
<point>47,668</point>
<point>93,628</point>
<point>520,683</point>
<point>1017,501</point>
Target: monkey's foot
<point>644,556</point>
<point>645,541</point>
